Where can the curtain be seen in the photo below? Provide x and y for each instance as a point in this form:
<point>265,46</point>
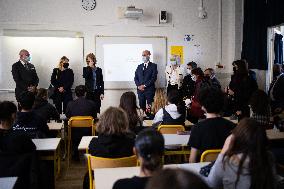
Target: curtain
<point>258,16</point>
<point>278,49</point>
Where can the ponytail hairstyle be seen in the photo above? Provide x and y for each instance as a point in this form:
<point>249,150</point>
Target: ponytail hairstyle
<point>149,146</point>
<point>175,98</point>
<point>7,109</point>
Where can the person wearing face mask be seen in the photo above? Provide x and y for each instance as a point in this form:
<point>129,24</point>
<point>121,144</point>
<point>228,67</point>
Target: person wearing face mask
<point>174,74</point>
<point>24,74</point>
<point>62,79</point>
<point>94,81</point>
<point>145,78</point>
<point>209,75</point>
<point>188,84</point>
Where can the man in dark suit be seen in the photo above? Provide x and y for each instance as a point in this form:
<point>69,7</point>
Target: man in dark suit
<point>24,74</point>
<point>145,77</point>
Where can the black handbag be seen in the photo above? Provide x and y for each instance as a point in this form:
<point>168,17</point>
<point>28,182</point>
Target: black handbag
<point>51,91</point>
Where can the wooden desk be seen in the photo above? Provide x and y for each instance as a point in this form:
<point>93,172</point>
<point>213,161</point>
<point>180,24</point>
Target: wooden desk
<point>7,182</point>
<point>55,126</point>
<point>235,121</point>
<point>149,123</point>
<point>170,140</point>
<point>273,134</point>
<point>113,174</point>
<point>49,150</point>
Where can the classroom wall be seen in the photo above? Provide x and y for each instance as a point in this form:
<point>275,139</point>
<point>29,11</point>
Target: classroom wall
<point>68,15</point>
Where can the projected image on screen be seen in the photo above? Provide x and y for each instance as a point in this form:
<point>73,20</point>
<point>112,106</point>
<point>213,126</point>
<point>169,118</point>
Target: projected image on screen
<point>121,60</point>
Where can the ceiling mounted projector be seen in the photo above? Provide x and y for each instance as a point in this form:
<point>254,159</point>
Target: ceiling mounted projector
<point>133,13</point>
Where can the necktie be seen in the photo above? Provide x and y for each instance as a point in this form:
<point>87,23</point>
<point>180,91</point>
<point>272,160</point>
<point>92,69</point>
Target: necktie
<point>145,66</point>
<point>26,66</point>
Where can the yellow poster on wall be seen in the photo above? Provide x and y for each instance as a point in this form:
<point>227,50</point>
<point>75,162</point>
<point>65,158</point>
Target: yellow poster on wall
<point>177,50</point>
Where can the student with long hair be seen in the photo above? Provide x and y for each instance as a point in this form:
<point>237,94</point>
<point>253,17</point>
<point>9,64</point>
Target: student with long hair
<point>135,115</point>
<point>114,137</point>
<point>160,100</point>
<point>149,149</point>
<point>244,162</point>
<point>173,113</point>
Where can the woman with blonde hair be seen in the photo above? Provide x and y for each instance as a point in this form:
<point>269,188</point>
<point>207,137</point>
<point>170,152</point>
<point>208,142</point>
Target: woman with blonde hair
<point>62,79</point>
<point>94,81</point>
<point>160,100</point>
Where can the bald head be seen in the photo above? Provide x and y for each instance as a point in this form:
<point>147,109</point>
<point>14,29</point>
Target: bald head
<point>146,53</point>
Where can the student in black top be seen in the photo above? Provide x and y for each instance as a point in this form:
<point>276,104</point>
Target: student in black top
<point>212,132</point>
<point>114,137</point>
<point>94,81</point>
<point>62,79</point>
<point>9,141</point>
<point>43,108</point>
<point>80,107</point>
<point>27,122</point>
<point>149,149</point>
<point>24,74</point>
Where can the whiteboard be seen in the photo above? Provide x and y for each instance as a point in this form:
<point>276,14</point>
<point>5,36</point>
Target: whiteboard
<point>45,53</point>
<point>119,57</point>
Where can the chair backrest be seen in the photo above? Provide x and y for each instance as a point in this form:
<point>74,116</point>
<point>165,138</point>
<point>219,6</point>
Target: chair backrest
<point>210,155</point>
<point>99,162</point>
<point>82,121</point>
<point>170,129</point>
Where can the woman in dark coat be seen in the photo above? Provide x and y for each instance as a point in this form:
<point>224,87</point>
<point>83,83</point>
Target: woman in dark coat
<point>62,79</point>
<point>94,81</point>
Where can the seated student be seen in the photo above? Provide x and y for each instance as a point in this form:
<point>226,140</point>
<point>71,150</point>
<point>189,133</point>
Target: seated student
<point>27,122</point>
<point>244,161</point>
<point>149,149</point>
<point>135,115</point>
<point>160,100</point>
<point>259,102</point>
<point>176,179</point>
<point>9,141</point>
<point>212,132</point>
<point>114,140</point>
<point>17,152</point>
<point>43,108</point>
<point>173,113</point>
<point>81,106</point>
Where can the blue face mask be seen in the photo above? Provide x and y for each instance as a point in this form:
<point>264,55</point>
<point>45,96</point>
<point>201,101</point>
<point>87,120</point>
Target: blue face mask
<point>145,59</point>
<point>173,62</point>
<point>28,59</point>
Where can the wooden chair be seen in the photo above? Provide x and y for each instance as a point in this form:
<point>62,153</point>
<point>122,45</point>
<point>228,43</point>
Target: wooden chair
<point>170,129</point>
<point>210,155</point>
<point>78,122</point>
<point>99,162</point>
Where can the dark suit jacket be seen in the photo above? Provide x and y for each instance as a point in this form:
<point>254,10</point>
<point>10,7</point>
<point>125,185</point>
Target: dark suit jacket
<point>146,77</point>
<point>24,77</point>
<point>81,107</point>
<point>63,79</point>
<point>89,82</point>
<point>278,91</point>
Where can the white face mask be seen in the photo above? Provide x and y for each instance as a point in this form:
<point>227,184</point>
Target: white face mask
<point>188,71</point>
<point>193,78</point>
<point>173,62</point>
<point>145,59</point>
